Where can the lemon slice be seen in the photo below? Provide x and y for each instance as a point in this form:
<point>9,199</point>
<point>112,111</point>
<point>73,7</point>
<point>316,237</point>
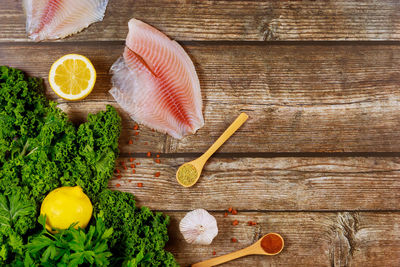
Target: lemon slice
<point>72,77</point>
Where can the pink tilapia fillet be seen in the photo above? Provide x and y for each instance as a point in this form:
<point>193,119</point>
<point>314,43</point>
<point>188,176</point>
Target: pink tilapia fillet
<point>156,83</point>
<point>54,19</point>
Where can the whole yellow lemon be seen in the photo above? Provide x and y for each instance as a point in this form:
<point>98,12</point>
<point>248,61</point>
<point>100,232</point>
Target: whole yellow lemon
<point>66,205</point>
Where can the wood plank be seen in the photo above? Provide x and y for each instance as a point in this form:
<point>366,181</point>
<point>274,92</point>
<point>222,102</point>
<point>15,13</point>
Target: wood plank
<point>234,20</point>
<point>270,184</point>
<point>311,239</point>
<point>300,97</point>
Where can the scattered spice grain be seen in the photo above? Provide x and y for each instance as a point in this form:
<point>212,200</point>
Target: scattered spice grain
<point>149,154</point>
<point>158,161</point>
<point>225,214</point>
<point>118,185</point>
<point>234,212</point>
<point>214,253</point>
<point>131,159</point>
<point>235,222</point>
<point>234,240</point>
<point>158,155</point>
<point>130,142</point>
<point>135,127</point>
<point>230,209</point>
<point>157,174</point>
<point>133,171</point>
<point>136,133</point>
<point>133,165</point>
<point>140,185</point>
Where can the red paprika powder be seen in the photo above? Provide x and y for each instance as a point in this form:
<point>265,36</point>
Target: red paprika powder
<point>272,243</point>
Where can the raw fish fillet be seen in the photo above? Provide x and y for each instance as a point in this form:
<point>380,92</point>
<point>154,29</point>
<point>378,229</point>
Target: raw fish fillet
<point>156,83</point>
<point>53,19</point>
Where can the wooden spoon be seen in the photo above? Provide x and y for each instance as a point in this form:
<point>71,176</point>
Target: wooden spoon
<point>198,163</point>
<point>255,249</point>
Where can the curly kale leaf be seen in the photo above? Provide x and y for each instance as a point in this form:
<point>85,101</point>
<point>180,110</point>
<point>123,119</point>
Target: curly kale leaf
<point>98,147</point>
<point>40,149</point>
<point>137,231</point>
<point>49,154</point>
<point>22,105</point>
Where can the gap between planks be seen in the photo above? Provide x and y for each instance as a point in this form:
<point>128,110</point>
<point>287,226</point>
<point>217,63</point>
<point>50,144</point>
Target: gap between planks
<point>287,211</point>
<point>61,43</point>
<point>272,155</point>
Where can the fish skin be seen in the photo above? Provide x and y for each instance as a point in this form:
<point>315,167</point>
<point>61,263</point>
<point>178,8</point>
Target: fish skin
<point>55,19</point>
<point>156,83</point>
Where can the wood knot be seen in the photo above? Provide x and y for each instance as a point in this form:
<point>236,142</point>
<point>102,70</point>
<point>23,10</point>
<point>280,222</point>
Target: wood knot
<point>269,29</point>
<point>343,238</point>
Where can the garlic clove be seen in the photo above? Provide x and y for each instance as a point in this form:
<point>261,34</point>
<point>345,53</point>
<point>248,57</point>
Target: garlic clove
<point>198,227</point>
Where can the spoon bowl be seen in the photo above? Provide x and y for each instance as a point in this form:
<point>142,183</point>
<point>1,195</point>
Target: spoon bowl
<point>258,246</point>
<point>198,163</point>
<point>255,249</point>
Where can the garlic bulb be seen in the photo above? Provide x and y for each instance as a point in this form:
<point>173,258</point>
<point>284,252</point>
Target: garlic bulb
<point>198,227</point>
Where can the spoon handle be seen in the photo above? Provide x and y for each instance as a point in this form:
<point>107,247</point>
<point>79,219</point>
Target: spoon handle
<point>225,258</point>
<point>225,136</point>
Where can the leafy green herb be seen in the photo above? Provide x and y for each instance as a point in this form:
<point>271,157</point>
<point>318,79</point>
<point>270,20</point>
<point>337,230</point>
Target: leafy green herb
<point>14,210</point>
<point>70,247</point>
<point>139,260</point>
<point>139,234</point>
<point>40,150</point>
<point>17,216</point>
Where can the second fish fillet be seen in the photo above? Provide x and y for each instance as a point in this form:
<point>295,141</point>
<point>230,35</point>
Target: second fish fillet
<point>156,83</point>
<point>54,19</point>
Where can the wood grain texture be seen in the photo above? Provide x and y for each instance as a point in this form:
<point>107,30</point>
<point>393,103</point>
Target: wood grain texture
<point>234,20</point>
<point>300,98</point>
<point>266,184</point>
<point>311,239</point>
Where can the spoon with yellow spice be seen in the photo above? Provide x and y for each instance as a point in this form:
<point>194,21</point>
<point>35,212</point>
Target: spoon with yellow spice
<point>188,174</point>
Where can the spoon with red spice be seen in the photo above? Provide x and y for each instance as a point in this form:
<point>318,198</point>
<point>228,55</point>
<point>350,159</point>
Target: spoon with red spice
<point>270,244</point>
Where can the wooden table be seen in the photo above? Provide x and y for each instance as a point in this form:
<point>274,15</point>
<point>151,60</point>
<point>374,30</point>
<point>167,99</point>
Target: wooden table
<point>318,161</point>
